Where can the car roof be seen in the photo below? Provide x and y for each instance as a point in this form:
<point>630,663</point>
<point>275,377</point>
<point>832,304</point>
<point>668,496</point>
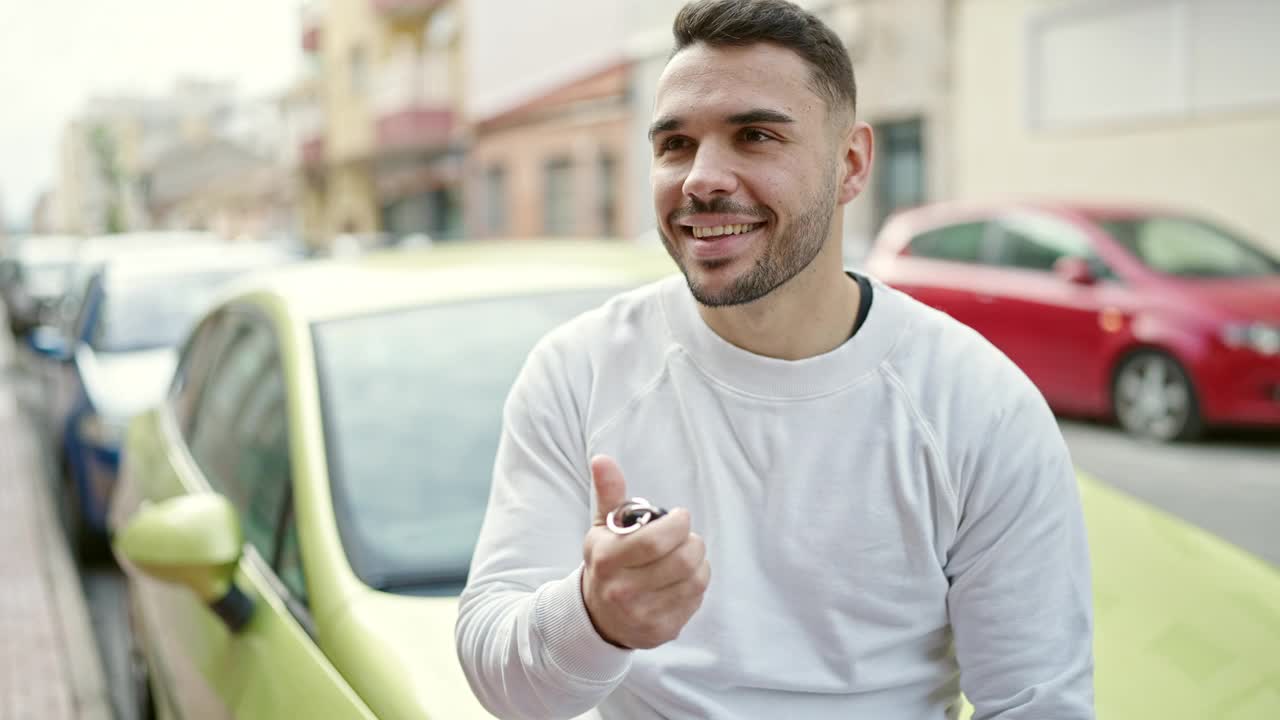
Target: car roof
<point>474,269</point>
<point>99,248</point>
<point>39,249</point>
<point>1094,210</point>
<point>137,264</point>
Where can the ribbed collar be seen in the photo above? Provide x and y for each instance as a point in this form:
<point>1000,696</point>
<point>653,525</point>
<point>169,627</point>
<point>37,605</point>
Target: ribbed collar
<point>784,379</point>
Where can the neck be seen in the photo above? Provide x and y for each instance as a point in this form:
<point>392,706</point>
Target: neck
<point>809,315</point>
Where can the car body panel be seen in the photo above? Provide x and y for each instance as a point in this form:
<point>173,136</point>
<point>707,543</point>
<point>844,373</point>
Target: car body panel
<point>270,668</point>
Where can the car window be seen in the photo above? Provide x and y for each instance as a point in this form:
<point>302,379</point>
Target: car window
<point>288,561</point>
<point>1190,248</point>
<point>86,307</point>
<point>194,362</point>
<point>261,478</point>
<point>153,311</point>
<point>962,242</point>
<point>239,432</point>
<point>1037,243</point>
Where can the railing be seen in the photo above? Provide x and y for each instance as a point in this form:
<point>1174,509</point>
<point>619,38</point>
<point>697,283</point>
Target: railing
<point>412,99</point>
<point>312,19</point>
<point>406,9</point>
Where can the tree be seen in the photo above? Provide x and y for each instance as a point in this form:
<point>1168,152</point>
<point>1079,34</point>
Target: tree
<point>103,145</point>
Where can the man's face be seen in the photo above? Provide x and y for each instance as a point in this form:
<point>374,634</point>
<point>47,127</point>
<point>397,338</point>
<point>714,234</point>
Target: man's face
<point>745,169</point>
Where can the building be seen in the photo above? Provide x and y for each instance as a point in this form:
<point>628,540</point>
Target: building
<point>43,221</point>
<point>549,120</point>
<point>106,150</point>
<point>553,166</point>
<point>1171,102</point>
<point>221,186</point>
<point>378,119</point>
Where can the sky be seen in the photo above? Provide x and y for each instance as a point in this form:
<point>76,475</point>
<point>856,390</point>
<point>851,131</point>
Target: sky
<point>55,54</point>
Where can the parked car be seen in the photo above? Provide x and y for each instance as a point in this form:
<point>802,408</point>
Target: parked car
<point>342,417</point>
<point>95,251</point>
<point>33,279</point>
<point>118,361</point>
<point>1162,320</point>
<point>296,518</point>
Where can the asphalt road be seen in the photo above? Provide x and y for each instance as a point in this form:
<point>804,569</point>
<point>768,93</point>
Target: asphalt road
<point>1228,484</point>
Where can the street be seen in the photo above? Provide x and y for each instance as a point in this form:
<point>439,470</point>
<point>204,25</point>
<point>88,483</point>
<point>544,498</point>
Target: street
<point>1228,484</point>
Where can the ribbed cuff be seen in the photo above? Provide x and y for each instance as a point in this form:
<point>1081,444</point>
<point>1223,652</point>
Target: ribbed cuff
<point>570,640</point>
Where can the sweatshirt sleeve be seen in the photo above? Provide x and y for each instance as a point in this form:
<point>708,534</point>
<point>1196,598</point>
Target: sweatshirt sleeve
<point>1020,598</point>
<point>525,641</point>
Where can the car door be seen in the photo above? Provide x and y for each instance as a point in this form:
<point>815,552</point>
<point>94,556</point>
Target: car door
<point>226,429</point>
<point>1051,327</point>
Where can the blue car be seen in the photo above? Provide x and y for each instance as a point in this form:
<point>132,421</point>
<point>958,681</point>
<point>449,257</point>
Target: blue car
<point>117,361</point>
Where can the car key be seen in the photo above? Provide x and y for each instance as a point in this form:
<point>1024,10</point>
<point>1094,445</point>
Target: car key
<point>632,515</point>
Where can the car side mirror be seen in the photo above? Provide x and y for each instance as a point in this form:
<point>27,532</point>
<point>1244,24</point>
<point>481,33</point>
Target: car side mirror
<point>1075,270</point>
<point>49,341</point>
<point>194,541</point>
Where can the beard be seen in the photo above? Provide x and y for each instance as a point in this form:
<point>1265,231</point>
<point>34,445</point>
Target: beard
<point>787,250</point>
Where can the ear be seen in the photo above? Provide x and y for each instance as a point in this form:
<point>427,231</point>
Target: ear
<point>858,144</point>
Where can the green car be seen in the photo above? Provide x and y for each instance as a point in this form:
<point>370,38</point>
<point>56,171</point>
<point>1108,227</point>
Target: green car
<point>297,517</point>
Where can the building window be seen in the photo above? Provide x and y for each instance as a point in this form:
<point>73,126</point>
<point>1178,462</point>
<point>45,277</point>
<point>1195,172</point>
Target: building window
<point>495,200</point>
<point>557,205</point>
<point>900,174</point>
<point>608,194</point>
<point>1098,62</point>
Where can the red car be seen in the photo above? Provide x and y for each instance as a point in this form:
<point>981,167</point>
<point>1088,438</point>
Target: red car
<point>1166,322</point>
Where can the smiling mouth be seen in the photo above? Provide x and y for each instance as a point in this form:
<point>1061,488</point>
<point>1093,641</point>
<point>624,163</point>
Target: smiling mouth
<point>722,230</point>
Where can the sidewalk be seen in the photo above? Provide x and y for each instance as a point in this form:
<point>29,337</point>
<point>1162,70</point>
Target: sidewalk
<point>49,662</point>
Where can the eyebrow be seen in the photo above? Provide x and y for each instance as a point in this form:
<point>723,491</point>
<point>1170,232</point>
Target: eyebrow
<point>759,115</point>
<point>749,117</point>
<point>666,124</point>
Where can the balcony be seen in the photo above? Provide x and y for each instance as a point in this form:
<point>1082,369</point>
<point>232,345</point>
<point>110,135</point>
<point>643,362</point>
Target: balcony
<point>403,10</point>
<point>311,154</point>
<point>311,22</point>
<point>306,119</point>
<point>413,103</point>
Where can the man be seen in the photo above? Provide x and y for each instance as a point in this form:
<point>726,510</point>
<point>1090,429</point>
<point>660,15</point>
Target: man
<point>885,503</point>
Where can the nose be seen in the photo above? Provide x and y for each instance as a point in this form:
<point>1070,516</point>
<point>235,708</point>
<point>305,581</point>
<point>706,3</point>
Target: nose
<point>710,175</point>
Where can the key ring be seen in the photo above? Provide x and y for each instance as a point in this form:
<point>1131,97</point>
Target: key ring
<point>632,515</point>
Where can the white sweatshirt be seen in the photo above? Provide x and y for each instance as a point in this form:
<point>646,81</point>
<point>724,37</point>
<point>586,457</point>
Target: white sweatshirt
<point>887,524</point>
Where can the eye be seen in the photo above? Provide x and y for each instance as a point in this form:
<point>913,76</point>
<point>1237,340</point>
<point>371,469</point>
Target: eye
<point>752,135</point>
<point>673,143</point>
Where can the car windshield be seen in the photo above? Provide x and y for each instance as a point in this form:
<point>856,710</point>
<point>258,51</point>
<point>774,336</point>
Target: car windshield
<point>412,407</point>
<point>156,311</point>
<point>1190,248</point>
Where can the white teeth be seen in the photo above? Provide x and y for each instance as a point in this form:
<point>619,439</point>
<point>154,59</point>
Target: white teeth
<point>703,232</point>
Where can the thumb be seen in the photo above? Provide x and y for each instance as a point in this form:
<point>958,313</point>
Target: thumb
<point>610,486</point>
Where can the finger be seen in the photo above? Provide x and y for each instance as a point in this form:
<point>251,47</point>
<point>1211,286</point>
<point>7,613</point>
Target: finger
<point>610,486</point>
<point>675,567</point>
<point>681,600</point>
<point>653,541</point>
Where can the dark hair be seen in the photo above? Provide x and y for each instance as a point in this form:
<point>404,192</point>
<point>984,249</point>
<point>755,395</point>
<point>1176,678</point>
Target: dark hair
<point>738,23</point>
